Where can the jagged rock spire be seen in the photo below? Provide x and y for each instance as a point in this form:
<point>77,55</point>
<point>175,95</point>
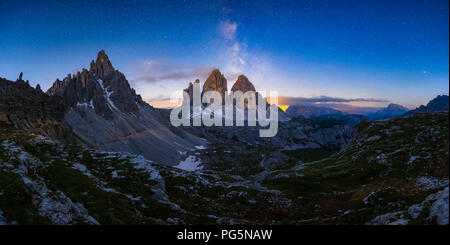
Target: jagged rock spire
<point>105,89</point>
<point>190,90</point>
<point>216,82</point>
<point>243,84</point>
<point>102,66</point>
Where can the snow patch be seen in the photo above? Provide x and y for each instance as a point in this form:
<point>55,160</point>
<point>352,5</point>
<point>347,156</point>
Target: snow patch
<point>191,163</point>
<point>107,95</point>
<point>110,102</point>
<point>87,105</point>
<point>142,163</point>
<point>83,169</point>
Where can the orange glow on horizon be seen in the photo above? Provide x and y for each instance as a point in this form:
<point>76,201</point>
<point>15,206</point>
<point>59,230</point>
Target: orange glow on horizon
<point>283,107</point>
<point>163,104</point>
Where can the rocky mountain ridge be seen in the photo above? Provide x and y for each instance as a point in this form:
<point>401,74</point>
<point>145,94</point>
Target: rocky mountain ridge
<point>101,87</point>
<point>308,111</point>
<point>438,104</point>
<point>104,112</point>
<point>31,109</point>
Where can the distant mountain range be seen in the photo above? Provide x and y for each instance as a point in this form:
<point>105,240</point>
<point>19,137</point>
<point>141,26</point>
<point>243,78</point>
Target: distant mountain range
<point>438,104</point>
<point>308,111</point>
<point>392,110</point>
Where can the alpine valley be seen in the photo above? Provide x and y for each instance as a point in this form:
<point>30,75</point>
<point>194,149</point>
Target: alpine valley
<point>90,150</point>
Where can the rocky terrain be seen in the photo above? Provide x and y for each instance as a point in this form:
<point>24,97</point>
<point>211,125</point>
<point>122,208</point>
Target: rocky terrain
<point>29,108</point>
<point>392,172</point>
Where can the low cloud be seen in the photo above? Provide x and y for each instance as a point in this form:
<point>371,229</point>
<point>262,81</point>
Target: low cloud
<point>341,104</point>
<point>158,98</point>
<point>362,110</point>
<point>323,99</point>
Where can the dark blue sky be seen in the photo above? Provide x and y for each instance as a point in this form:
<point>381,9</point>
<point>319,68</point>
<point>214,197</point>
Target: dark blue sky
<point>391,50</point>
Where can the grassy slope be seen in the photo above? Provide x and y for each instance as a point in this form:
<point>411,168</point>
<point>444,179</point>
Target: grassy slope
<point>343,180</point>
<point>319,193</point>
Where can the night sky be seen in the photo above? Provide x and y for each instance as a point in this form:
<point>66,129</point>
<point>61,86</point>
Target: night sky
<point>382,51</point>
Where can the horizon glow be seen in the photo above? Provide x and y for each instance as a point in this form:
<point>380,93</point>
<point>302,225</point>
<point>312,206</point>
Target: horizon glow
<point>392,51</point>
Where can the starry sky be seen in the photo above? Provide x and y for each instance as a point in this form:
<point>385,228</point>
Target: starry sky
<point>359,53</point>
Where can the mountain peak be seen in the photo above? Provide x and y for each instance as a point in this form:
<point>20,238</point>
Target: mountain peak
<point>102,66</point>
<point>243,84</point>
<point>102,88</point>
<point>102,54</point>
<point>391,111</point>
<point>216,81</point>
<point>438,104</point>
<point>393,106</point>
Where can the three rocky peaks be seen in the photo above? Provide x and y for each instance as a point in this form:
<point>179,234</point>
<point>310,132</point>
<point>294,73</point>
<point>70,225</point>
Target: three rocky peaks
<point>216,81</point>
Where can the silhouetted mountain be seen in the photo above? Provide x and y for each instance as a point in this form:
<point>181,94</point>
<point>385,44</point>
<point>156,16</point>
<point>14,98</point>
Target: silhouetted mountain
<point>31,109</point>
<point>392,110</point>
<point>440,103</point>
<point>308,111</point>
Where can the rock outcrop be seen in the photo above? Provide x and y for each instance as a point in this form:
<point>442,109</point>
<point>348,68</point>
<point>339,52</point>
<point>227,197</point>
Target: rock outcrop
<point>438,104</point>
<point>243,84</point>
<point>216,82</point>
<point>190,90</point>
<point>31,109</point>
